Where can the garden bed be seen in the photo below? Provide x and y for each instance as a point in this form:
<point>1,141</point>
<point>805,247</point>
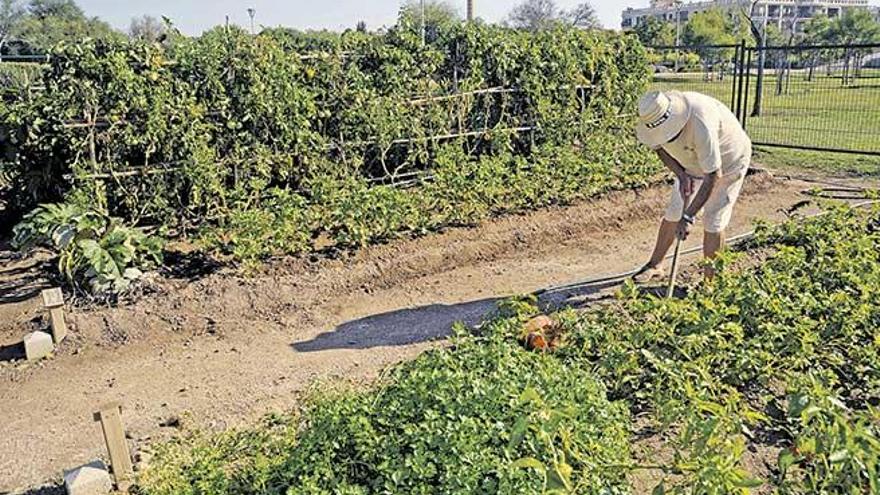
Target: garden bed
<point>780,357</point>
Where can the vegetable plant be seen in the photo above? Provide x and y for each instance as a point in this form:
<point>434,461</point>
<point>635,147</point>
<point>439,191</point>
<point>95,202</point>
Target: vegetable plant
<point>95,252</point>
<point>778,358</point>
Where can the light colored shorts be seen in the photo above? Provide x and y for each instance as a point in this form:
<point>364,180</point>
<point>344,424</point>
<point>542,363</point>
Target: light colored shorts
<point>719,207</point>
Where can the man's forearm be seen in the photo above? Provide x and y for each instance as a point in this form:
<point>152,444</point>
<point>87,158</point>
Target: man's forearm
<point>703,194</point>
<point>671,163</point>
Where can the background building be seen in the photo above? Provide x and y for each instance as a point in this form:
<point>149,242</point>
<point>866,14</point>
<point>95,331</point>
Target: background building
<point>785,14</point>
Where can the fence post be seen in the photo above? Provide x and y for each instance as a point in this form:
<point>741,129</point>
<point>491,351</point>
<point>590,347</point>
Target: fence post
<point>53,301</point>
<point>745,106</point>
<point>733,76</point>
<point>114,436</point>
<point>740,75</point>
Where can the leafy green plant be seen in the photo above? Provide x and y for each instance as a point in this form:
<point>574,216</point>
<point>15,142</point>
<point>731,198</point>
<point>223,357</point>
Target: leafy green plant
<point>95,252</point>
<point>835,447</point>
<point>200,133</point>
<point>803,320</point>
<point>272,226</point>
<point>486,416</point>
<point>780,357</point>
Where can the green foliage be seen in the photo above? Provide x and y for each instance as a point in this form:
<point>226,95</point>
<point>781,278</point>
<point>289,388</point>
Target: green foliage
<point>95,252</point>
<point>720,361</point>
<point>854,26</point>
<point>16,78</point>
<point>439,15</point>
<point>485,416</point>
<point>655,32</point>
<point>275,225</point>
<point>46,23</point>
<point>11,13</point>
<point>817,30</point>
<point>783,353</point>
<point>712,27</point>
<point>835,447</point>
<point>233,462</point>
<point>219,122</point>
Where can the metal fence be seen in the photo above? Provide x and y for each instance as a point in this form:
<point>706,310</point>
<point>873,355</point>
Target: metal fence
<point>823,98</point>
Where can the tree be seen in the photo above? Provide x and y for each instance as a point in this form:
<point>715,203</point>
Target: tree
<point>48,22</point>
<point>10,14</point>
<point>712,27</point>
<point>749,12</point>
<point>816,32</point>
<point>438,13</point>
<point>63,9</point>
<point>655,32</point>
<point>146,28</point>
<point>854,26</point>
<point>584,17</point>
<point>534,15</point>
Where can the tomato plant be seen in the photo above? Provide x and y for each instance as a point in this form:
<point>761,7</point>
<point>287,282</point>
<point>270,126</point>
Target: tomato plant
<point>197,134</point>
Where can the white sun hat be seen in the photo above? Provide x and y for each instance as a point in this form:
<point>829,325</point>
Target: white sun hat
<point>662,115</point>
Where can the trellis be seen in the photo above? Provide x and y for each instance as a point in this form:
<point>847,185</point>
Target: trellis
<point>209,161</point>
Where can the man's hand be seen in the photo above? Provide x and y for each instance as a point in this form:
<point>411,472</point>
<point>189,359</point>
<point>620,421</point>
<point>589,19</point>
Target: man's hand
<point>683,230</point>
<point>685,186</point>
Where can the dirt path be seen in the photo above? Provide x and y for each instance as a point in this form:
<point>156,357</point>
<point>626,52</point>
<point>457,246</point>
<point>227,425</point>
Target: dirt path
<point>225,350</point>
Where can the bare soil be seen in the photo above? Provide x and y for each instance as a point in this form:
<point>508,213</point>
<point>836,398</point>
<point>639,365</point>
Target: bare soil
<point>220,350</point>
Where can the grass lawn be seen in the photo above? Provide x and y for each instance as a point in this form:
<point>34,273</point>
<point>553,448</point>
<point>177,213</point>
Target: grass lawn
<point>839,164</point>
<point>821,113</point>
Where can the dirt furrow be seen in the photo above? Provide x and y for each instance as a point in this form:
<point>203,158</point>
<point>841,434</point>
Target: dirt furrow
<point>224,350</point>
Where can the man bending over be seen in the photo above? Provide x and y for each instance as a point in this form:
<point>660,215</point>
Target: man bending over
<point>701,141</point>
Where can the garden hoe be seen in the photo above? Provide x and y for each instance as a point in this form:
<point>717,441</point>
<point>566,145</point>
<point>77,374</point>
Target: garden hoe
<point>670,289</point>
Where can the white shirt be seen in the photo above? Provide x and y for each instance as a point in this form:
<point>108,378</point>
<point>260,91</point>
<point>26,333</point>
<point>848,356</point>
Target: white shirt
<point>712,139</point>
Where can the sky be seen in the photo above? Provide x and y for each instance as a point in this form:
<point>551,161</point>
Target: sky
<point>194,16</point>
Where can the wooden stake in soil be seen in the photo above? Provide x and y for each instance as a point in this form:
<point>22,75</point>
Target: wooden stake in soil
<point>53,300</point>
<point>110,417</point>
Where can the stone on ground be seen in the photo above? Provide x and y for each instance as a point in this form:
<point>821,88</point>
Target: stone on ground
<point>38,345</point>
<point>90,479</point>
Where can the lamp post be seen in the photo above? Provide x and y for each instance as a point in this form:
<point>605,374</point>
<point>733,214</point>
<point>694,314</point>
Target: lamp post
<point>678,22</point>
<point>422,6</point>
<point>252,12</point>
<point>677,30</point>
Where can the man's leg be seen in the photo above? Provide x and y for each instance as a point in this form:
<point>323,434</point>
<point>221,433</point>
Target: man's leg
<point>712,244</point>
<point>718,211</point>
<point>665,238</point>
